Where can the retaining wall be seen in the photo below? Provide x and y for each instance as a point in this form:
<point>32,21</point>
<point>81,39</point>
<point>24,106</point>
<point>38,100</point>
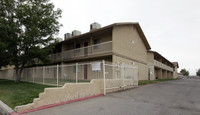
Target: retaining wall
<point>71,91</point>
<point>4,109</point>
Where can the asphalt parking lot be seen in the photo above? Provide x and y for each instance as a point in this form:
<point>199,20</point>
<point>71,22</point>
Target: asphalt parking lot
<point>178,97</point>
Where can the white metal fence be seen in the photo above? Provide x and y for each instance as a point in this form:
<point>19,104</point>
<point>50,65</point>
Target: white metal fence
<point>58,75</point>
<point>120,76</point>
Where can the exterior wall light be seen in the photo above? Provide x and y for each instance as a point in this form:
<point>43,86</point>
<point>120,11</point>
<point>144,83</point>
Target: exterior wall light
<point>132,41</point>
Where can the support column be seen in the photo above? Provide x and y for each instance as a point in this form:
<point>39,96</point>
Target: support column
<point>159,73</point>
<point>151,73</point>
<point>168,75</point>
<point>164,74</point>
<point>171,74</point>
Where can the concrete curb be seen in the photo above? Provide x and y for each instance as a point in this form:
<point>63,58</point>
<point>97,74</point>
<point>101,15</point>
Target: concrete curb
<point>53,105</point>
<point>5,109</point>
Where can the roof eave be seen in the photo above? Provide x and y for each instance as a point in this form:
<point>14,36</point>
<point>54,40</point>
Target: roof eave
<point>141,33</point>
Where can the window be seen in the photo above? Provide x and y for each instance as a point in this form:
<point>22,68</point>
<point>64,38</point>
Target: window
<point>78,46</point>
<point>96,42</point>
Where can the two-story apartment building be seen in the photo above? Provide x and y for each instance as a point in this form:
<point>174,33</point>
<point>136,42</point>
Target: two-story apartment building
<point>159,66</point>
<point>116,43</point>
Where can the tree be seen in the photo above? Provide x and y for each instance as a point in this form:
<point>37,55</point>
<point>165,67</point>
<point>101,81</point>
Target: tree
<point>198,72</point>
<point>4,55</point>
<point>25,26</point>
<point>184,72</point>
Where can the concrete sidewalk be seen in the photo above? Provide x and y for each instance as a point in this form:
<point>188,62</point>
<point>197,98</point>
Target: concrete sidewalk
<point>179,97</point>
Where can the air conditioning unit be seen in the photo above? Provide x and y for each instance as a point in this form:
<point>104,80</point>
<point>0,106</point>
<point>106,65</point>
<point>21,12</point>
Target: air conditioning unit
<point>76,33</point>
<point>95,26</point>
<point>67,36</point>
<point>59,39</point>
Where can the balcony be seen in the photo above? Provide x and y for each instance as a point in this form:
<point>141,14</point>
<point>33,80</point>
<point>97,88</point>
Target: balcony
<point>92,50</point>
<point>163,66</point>
<point>56,57</point>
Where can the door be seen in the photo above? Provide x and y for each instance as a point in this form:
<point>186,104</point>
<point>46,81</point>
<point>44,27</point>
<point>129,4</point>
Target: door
<point>86,49</point>
<point>85,72</point>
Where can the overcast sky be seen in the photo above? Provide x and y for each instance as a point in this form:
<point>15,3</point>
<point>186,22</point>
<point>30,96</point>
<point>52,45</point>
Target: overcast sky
<point>172,27</point>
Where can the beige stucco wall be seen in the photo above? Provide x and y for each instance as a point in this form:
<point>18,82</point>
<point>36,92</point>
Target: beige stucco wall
<point>8,67</point>
<point>151,69</point>
<point>7,74</point>
<point>142,68</point>
<point>122,43</point>
<point>175,73</point>
<point>150,57</point>
<point>4,109</point>
<point>143,71</point>
<point>71,91</point>
<point>137,51</point>
<point>151,72</point>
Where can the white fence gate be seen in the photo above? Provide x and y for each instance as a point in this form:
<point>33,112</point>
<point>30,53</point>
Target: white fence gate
<point>114,75</point>
<point>121,76</point>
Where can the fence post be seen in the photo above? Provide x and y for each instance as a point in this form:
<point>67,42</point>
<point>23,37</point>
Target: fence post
<point>137,75</point>
<point>76,72</point>
<point>43,71</point>
<point>57,75</point>
<point>123,68</point>
<point>104,77</point>
<point>33,74</point>
<point>37,74</point>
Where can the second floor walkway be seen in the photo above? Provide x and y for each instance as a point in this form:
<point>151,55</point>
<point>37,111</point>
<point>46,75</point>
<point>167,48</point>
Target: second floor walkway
<point>92,50</point>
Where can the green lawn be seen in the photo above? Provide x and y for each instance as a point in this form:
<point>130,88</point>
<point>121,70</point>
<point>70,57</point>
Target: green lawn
<point>14,94</point>
<point>145,82</point>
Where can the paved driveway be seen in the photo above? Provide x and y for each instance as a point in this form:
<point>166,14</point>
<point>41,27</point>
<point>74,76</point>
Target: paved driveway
<point>179,97</point>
